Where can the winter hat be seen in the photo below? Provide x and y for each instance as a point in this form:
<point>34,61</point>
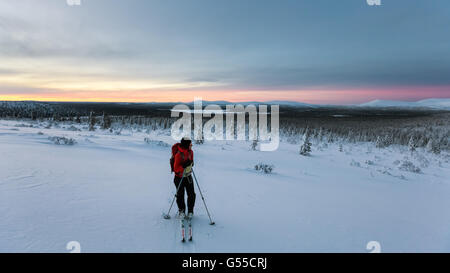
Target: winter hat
<point>185,142</point>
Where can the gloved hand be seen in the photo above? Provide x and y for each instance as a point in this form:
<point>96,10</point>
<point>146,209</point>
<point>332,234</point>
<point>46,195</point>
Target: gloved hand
<point>187,163</point>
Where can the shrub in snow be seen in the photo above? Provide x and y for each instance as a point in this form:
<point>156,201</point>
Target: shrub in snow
<point>265,168</point>
<point>369,162</point>
<point>409,167</point>
<point>355,163</point>
<point>254,145</point>
<point>24,125</point>
<point>62,140</point>
<point>384,172</point>
<point>40,133</point>
<point>73,128</point>
<point>155,142</point>
<point>341,149</point>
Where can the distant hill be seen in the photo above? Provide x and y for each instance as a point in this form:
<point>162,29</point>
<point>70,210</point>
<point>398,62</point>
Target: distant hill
<point>272,102</point>
<point>443,103</point>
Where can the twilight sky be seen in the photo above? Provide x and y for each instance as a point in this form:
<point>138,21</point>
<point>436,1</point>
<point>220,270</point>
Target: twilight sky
<point>316,51</point>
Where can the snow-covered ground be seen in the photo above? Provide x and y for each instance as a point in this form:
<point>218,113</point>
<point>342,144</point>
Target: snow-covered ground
<point>109,191</point>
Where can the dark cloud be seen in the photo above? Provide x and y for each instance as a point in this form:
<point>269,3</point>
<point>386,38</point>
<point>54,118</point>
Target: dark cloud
<point>250,44</point>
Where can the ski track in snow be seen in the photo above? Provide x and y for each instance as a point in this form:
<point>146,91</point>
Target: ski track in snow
<point>109,192</point>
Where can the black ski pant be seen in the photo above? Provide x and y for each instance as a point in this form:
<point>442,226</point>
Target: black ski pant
<point>188,186</point>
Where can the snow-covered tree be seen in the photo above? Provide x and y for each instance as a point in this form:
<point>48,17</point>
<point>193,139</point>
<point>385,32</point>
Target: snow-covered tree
<point>91,121</point>
<point>432,147</point>
<point>412,144</point>
<point>305,148</point>
<point>106,121</point>
<point>379,143</point>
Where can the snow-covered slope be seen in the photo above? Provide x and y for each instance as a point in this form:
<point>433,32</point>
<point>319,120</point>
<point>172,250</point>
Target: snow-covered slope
<point>291,103</point>
<point>108,192</point>
<point>443,103</point>
<point>437,103</point>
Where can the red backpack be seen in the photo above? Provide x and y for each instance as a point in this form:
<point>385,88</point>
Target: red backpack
<point>174,152</point>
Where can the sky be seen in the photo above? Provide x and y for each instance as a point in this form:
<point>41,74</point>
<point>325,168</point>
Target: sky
<point>315,51</point>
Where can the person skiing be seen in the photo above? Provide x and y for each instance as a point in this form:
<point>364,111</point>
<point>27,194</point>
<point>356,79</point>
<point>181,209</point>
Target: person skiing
<point>183,161</point>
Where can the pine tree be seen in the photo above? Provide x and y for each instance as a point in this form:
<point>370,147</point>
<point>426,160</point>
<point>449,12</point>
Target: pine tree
<point>379,143</point>
<point>305,148</point>
<point>412,144</point>
<point>106,121</point>
<point>91,121</point>
<point>432,147</point>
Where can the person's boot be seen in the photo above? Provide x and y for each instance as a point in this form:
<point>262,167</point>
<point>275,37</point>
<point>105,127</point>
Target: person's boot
<point>181,214</point>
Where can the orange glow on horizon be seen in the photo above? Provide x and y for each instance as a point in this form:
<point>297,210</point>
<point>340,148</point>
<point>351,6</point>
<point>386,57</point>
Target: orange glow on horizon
<point>177,96</point>
<point>307,96</point>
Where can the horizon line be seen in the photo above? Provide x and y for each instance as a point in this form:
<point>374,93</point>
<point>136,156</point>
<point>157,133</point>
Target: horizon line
<point>225,101</point>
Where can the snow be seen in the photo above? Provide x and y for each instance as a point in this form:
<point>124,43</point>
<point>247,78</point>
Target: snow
<point>108,192</point>
<point>443,103</point>
<point>438,103</point>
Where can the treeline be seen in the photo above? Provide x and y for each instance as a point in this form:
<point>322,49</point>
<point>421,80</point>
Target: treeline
<point>383,127</point>
<point>63,111</point>
<point>383,131</point>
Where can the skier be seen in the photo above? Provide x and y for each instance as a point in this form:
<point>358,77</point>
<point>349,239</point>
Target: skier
<point>183,160</point>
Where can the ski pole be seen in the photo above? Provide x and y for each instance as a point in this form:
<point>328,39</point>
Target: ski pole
<point>198,186</point>
<point>167,216</point>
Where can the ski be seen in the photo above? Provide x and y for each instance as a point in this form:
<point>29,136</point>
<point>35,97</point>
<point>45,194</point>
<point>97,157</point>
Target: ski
<point>189,219</point>
<point>183,237</point>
